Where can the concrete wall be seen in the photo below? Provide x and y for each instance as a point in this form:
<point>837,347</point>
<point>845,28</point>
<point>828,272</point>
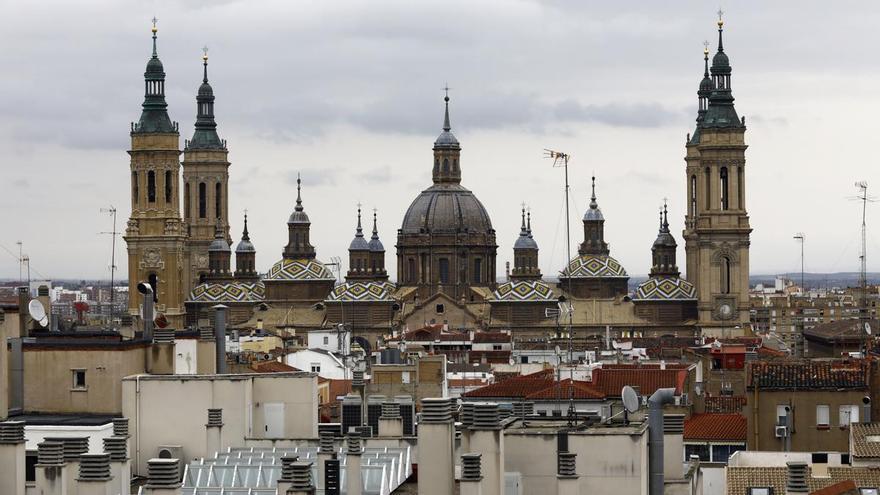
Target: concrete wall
<point>186,356</point>
<point>35,434</point>
<point>4,368</point>
<point>48,377</point>
<point>607,463</point>
<point>172,410</point>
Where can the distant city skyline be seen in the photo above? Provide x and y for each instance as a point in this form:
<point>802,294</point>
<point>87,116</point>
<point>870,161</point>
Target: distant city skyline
<point>349,96</point>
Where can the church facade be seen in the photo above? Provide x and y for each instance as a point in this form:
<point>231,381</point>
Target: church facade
<point>445,247</point>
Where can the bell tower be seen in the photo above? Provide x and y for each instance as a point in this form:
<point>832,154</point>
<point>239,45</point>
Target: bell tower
<point>155,235</point>
<point>717,226</point>
<point>205,184</point>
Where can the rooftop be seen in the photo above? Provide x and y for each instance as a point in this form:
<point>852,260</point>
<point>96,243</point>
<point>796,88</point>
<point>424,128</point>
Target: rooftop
<point>865,440</point>
<point>808,375</point>
<point>720,427</point>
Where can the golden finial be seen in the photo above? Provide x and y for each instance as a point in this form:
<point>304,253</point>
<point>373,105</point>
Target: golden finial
<point>154,25</point>
<point>706,47</point>
<point>720,18</point>
<point>205,53</point>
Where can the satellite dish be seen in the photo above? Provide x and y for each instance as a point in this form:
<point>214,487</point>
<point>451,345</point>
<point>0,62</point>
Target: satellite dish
<point>38,312</point>
<point>630,399</point>
<point>144,288</point>
<point>867,328</point>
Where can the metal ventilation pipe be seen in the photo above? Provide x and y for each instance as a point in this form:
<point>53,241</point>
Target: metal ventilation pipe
<point>147,292</point>
<point>220,338</point>
<point>655,437</point>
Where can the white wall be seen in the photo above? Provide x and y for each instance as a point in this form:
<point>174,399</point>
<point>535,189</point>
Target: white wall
<point>185,354</point>
<point>303,360</point>
<point>37,433</point>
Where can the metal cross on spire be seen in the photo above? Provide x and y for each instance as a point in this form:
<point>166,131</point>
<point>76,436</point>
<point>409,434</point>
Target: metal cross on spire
<point>446,88</point>
<point>154,22</point>
<point>720,15</point>
<point>205,52</point>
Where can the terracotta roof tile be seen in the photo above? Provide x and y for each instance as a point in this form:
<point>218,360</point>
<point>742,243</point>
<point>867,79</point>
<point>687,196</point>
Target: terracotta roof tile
<point>610,381</point>
<point>865,440</point>
<point>565,389</point>
<point>516,387</point>
<point>491,338</point>
<point>725,403</point>
<point>843,488</point>
<point>272,367</point>
<point>803,374</point>
<point>740,479</point>
<point>718,427</point>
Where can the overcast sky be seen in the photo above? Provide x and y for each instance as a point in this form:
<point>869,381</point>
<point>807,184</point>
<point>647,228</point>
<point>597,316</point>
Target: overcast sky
<point>348,93</point>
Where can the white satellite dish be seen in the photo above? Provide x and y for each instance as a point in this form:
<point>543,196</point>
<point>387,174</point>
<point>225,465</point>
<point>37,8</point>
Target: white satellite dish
<point>38,312</point>
<point>867,328</point>
<point>630,399</point>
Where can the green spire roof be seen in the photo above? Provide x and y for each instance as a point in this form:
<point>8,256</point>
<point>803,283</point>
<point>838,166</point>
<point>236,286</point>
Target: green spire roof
<point>205,136</point>
<point>721,113</point>
<point>154,116</point>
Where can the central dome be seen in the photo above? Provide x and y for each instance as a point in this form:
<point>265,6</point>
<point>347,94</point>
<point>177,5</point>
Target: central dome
<point>446,208</point>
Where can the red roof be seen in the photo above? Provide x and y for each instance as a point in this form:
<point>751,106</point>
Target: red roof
<point>565,389</point>
<point>339,388</point>
<point>272,367</point>
<point>842,488</point>
<point>610,381</point>
<point>517,386</point>
<point>725,403</point>
<point>717,427</point>
<point>491,338</point>
<point>809,375</point>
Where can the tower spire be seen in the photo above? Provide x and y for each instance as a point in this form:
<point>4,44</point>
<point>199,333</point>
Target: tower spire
<point>205,63</point>
<point>720,30</point>
<point>154,115</point>
<point>375,229</point>
<point>593,204</point>
<point>155,29</point>
<point>205,135</point>
<point>446,125</point>
<point>529,222</point>
<point>299,202</point>
<point>244,235</point>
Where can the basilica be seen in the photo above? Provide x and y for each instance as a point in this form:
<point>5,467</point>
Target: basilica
<point>446,246</point>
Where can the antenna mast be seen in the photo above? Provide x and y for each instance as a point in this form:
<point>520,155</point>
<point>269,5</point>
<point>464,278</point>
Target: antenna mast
<point>113,233</point>
<point>863,267</point>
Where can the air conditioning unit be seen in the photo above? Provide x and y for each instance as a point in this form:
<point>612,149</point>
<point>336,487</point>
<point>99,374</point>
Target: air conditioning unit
<point>781,431</point>
<point>173,452</point>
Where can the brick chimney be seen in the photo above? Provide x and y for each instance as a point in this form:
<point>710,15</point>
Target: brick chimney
<point>566,478</point>
<point>353,464</point>
<point>213,433</point>
<point>12,457</point>
<point>51,473</point>
<point>390,422</point>
<point>94,475</point>
<point>163,477</point>
<point>471,474</point>
<point>488,439</point>
<point>436,448</point>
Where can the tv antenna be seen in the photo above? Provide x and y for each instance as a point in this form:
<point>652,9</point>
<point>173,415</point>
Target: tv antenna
<point>113,233</point>
<point>800,237</point>
<point>863,266</point>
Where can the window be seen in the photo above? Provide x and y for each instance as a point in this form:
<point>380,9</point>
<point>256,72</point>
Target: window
<point>721,453</point>
<point>524,359</point>
<point>701,451</point>
<point>151,186</point>
<point>725,275</point>
<point>411,270</point>
<point>203,200</point>
<point>496,347</point>
<point>693,195</point>
<point>823,415</point>
<point>444,270</point>
<point>725,199</point>
<point>868,491</point>
<point>169,181</point>
<point>764,490</point>
<point>218,200</point>
<point>439,309</point>
<point>478,270</point>
<point>315,367</point>
<point>326,340</point>
<point>848,414</point>
<point>135,191</point>
<point>708,191</point>
<point>445,165</point>
<point>79,379</point>
<point>186,200</point>
<point>740,201</point>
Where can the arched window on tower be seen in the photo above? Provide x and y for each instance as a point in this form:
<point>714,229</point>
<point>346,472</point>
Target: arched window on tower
<point>203,200</point>
<point>478,270</point>
<point>218,200</point>
<point>693,195</point>
<point>186,199</point>
<point>725,197</point>
<point>168,184</point>
<point>411,270</point>
<point>708,191</point>
<point>445,165</point>
<point>135,190</point>
<point>740,200</point>
<point>725,275</point>
<point>151,186</point>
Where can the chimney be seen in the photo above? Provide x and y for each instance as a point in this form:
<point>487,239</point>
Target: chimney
<point>51,474</point>
<point>302,479</point>
<point>466,417</point>
<point>148,311</point>
<point>471,476</point>
<point>220,338</point>
<point>566,479</point>
<point>205,352</point>
<point>436,448</point>
<point>390,422</point>
<point>72,449</point>
<point>12,456</point>
<point>285,482</point>
<point>353,464</point>
<point>163,477</point>
<point>120,464</point>
<point>213,430</point>
<point>94,475</point>
<point>655,438</point>
<point>796,481</point>
<point>673,446</point>
<point>325,453</point>
<point>160,355</point>
<point>488,439</point>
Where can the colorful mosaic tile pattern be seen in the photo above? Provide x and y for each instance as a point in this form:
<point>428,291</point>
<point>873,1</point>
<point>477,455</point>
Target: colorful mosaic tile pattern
<point>665,289</point>
<point>362,291</point>
<point>229,292</point>
<point>594,266</point>
<point>524,290</point>
<point>301,269</point>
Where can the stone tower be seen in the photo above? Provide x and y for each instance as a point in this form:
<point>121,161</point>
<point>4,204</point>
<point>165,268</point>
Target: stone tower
<point>358,254</point>
<point>205,184</point>
<point>717,227</point>
<point>663,250</point>
<point>525,252</point>
<point>246,257</point>
<point>377,254</point>
<point>155,235</point>
<point>298,226</point>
